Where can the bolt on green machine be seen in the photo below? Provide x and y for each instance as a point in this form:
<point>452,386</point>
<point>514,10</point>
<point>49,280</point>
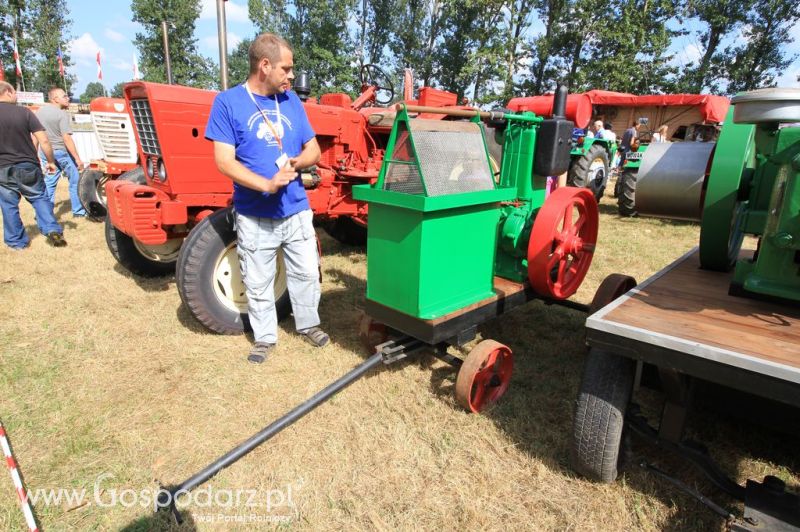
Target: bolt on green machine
<point>449,246</point>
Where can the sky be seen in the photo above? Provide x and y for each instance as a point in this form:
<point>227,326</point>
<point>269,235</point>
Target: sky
<point>109,30</point>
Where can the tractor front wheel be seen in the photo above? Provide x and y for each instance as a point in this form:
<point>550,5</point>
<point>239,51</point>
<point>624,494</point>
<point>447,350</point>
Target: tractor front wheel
<point>141,259</point>
<point>603,398</point>
<point>210,281</point>
<point>347,231</point>
<point>627,193</point>
<point>92,193</point>
<point>590,171</point>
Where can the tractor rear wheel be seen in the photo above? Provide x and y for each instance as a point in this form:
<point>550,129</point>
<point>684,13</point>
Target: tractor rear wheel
<point>627,193</point>
<point>92,193</point>
<point>590,171</point>
<point>210,281</point>
<point>138,258</point>
<point>347,231</point>
<point>603,398</point>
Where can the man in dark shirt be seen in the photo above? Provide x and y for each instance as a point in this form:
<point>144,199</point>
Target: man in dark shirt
<point>20,173</point>
<point>627,138</point>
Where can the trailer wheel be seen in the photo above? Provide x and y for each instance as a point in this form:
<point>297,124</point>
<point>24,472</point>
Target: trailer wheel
<point>610,289</point>
<point>347,231</point>
<point>603,398</point>
<point>92,193</point>
<point>484,376</point>
<point>371,332</point>
<point>627,193</point>
<point>590,171</point>
<point>210,281</point>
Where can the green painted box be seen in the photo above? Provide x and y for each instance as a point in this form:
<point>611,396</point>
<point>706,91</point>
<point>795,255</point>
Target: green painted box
<point>428,256</point>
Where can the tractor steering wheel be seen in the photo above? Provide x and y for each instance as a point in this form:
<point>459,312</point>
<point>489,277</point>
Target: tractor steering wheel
<point>372,75</point>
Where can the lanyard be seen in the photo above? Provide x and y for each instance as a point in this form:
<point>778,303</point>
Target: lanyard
<point>265,117</point>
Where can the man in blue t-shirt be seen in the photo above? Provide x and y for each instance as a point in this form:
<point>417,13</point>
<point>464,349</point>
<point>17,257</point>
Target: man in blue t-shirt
<point>262,138</point>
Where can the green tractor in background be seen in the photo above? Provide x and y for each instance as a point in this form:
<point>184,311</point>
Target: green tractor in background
<point>590,162</point>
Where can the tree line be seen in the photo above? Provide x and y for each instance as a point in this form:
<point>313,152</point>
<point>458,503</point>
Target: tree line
<point>485,50</point>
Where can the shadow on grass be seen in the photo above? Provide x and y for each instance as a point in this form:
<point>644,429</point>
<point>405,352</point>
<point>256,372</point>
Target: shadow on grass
<point>161,521</point>
<point>148,284</point>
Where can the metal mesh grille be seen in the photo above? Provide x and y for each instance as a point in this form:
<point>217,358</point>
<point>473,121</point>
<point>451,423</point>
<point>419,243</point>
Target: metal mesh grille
<point>116,136</point>
<point>145,127</point>
<point>401,174</point>
<point>452,157</point>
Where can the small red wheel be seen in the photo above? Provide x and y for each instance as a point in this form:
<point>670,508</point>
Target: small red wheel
<point>371,333</point>
<point>610,289</point>
<point>484,375</point>
<point>562,242</point>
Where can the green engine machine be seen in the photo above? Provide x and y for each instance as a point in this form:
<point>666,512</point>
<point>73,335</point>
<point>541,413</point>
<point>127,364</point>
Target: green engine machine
<point>749,183</point>
<point>442,225</point>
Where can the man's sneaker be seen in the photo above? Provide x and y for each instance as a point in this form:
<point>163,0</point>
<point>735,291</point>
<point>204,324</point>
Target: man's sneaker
<point>56,240</point>
<point>260,352</point>
<point>316,337</point>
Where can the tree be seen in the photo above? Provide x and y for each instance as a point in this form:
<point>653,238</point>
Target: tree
<point>15,21</point>
<point>49,25</point>
<point>551,11</point>
<point>721,17</point>
<point>314,30</point>
<point>756,63</point>
<point>93,90</point>
<point>238,62</point>
<point>188,66</point>
<point>117,91</point>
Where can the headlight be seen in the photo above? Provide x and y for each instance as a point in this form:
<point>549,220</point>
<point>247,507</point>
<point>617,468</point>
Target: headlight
<point>150,168</point>
<point>162,170</point>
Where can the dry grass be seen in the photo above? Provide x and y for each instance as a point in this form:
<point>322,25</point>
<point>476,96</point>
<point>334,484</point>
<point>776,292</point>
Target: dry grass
<point>101,372</point>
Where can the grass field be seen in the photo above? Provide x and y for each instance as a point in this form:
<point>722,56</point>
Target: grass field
<point>107,384</point>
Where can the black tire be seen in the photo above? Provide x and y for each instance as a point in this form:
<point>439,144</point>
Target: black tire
<point>627,193</point>
<point>347,231</point>
<point>91,195</point>
<point>209,281</point>
<point>603,398</point>
<point>137,258</point>
<point>579,171</point>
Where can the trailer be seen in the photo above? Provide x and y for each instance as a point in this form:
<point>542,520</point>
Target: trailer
<point>719,313</point>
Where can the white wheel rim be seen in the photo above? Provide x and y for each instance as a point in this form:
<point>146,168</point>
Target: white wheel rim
<point>229,286</point>
<point>597,171</point>
<point>166,252</point>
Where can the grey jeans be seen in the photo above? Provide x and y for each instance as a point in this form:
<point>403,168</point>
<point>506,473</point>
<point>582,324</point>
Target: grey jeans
<point>258,242</point>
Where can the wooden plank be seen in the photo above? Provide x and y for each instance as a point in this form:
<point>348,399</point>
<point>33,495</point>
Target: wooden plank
<point>693,306</point>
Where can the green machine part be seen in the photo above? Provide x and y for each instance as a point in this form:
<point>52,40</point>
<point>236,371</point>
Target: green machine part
<point>433,216</point>
<point>516,221</point>
<point>754,188</point>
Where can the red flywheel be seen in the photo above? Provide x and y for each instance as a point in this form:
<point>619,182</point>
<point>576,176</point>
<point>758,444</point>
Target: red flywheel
<point>562,242</point>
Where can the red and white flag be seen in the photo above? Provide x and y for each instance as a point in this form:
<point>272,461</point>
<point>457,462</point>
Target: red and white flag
<point>99,68</point>
<point>16,59</point>
<point>2,71</point>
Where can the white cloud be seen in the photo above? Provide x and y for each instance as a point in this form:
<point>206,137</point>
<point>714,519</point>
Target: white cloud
<point>121,64</point>
<point>789,77</point>
<point>233,12</point>
<point>83,50</point>
<point>113,35</point>
<point>213,43</point>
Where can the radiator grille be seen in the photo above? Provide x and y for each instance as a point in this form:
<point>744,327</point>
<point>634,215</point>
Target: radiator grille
<point>145,126</point>
<point>115,134</point>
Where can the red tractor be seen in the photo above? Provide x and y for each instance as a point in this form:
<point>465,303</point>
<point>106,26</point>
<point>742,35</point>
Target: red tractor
<point>112,127</point>
<point>175,215</point>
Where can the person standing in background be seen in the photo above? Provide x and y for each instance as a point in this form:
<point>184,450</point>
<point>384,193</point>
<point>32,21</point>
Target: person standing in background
<point>56,123</point>
<point>20,173</point>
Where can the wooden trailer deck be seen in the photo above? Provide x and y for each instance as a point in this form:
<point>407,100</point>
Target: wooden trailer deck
<point>683,317</point>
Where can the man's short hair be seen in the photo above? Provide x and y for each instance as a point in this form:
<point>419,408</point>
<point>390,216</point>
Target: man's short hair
<point>53,90</point>
<point>6,87</point>
<point>266,45</point>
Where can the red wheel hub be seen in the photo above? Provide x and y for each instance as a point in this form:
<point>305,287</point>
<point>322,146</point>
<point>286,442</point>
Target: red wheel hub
<point>484,375</point>
<point>562,242</point>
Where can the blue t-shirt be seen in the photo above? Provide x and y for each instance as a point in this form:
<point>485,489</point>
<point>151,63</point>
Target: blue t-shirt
<point>237,121</point>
